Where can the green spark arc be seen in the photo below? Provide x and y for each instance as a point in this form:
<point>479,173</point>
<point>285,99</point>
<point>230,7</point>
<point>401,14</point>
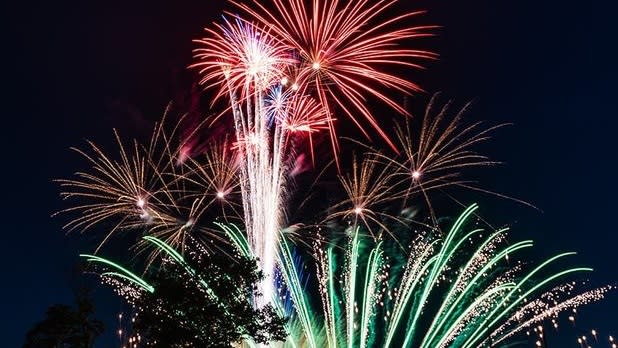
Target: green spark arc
<point>461,288</point>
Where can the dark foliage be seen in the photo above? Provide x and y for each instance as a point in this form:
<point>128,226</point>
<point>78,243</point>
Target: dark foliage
<point>205,302</point>
<point>65,327</point>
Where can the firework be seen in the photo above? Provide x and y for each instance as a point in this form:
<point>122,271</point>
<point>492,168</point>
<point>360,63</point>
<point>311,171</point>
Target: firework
<point>240,58</point>
<point>153,189</point>
<point>345,50</point>
<point>368,190</point>
<point>282,72</point>
<point>298,116</point>
<point>436,151</point>
<point>541,334</point>
<point>166,191</point>
<point>456,289</point>
<point>246,62</point>
<point>215,175</point>
<point>286,73</point>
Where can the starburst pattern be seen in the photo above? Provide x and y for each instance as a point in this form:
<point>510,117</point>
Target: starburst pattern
<point>344,49</point>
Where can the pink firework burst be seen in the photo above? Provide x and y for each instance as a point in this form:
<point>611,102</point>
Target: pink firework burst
<point>346,51</point>
<point>238,56</point>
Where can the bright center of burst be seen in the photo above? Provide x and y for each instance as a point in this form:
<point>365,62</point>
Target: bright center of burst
<point>284,81</point>
<point>416,174</point>
<point>316,65</point>
<point>140,203</point>
<point>220,194</point>
<point>295,87</point>
<point>254,140</point>
<point>358,210</point>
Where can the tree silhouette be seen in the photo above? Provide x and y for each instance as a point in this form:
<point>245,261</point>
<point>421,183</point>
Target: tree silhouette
<point>200,300</point>
<point>66,327</point>
<point>181,313</point>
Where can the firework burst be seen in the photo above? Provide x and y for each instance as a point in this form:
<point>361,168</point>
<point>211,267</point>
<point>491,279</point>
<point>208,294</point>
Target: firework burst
<point>153,189</point>
<point>344,49</point>
<point>283,71</point>
<point>287,73</point>
<point>462,288</point>
<point>239,57</point>
<point>368,190</point>
<point>215,175</point>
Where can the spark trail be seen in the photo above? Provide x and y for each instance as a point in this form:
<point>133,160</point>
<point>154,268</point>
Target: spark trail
<point>283,82</point>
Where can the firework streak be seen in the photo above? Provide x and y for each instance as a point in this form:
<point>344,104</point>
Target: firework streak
<point>281,75</point>
<point>437,294</point>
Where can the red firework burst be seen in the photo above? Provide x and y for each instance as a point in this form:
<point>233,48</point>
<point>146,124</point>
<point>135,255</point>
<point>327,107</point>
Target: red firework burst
<point>240,57</point>
<point>344,50</point>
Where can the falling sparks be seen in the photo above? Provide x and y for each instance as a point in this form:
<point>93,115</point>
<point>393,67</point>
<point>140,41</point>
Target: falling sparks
<point>445,295</point>
<point>290,70</point>
<point>325,64</point>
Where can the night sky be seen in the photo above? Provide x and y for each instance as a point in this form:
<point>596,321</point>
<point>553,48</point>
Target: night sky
<point>75,70</point>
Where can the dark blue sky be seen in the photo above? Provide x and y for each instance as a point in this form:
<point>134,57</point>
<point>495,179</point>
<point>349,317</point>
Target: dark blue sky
<point>73,70</point>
